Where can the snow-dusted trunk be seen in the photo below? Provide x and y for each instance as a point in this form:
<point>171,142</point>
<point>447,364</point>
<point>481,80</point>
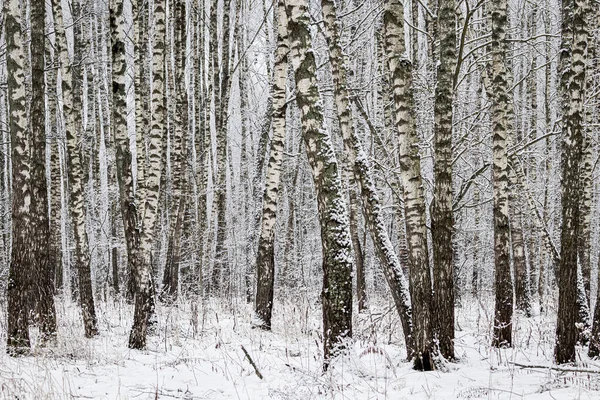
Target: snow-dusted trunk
<point>202,137</point>
<point>22,237</point>
<point>335,235</point>
<point>55,200</point>
<point>265,259</point>
<point>522,296</point>
<point>154,164</point>
<point>41,270</point>
<point>572,64</point>
<point>139,10</point>
<point>442,218</point>
<point>594,347</point>
<point>221,88</point>
<point>585,226</point>
<point>545,253</point>
<point>72,108</point>
<point>362,173</point>
<point>178,161</point>
<point>587,182</point>
<point>400,70</point>
<point>359,260</point>
<point>502,115</point>
<point>129,213</point>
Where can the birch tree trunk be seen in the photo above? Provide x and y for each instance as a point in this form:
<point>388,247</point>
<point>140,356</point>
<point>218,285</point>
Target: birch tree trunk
<point>442,217</point>
<point>594,17</point>
<point>42,271</point>
<point>333,217</point>
<point>55,257</point>
<point>221,89</point>
<point>363,175</point>
<point>400,70</point>
<point>157,133</point>
<point>144,300</point>
<point>523,302</point>
<point>178,161</point>
<point>572,64</point>
<point>203,138</point>
<point>502,115</point>
<point>72,108</point>
<point>21,258</point>
<point>265,259</point>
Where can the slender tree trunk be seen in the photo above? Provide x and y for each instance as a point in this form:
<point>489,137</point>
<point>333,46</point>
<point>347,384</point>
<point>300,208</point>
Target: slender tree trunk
<point>522,296</point>
<point>335,235</point>
<point>129,213</point>
<point>221,88</point>
<point>265,259</point>
<point>572,64</point>
<point>55,256</point>
<point>361,284</point>
<point>72,108</point>
<point>154,165</point>
<point>502,115</point>
<point>414,202</point>
<point>442,218</point>
<point>594,18</point>
<point>178,156</point>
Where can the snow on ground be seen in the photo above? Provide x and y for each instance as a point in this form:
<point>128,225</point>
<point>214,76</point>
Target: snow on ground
<point>208,362</point>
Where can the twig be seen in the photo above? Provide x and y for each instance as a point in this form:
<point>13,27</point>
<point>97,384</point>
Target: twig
<point>558,368</point>
<point>251,362</point>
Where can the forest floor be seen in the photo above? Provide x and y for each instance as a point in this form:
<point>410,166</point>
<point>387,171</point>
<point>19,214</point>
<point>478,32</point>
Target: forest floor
<point>207,362</point>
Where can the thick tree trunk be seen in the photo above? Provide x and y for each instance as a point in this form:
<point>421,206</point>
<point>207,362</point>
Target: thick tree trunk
<point>42,278</point>
<point>265,259</point>
<point>572,64</point>
<point>502,115</point>
<point>21,258</point>
<point>414,202</point>
<point>442,217</point>
<point>335,235</point>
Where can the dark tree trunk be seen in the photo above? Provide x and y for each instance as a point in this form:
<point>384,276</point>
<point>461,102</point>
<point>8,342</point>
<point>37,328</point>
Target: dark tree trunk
<point>572,64</point>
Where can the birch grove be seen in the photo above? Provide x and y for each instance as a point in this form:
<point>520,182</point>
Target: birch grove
<point>311,168</point>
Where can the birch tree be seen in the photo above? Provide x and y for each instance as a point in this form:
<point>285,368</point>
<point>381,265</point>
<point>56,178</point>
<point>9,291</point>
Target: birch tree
<point>501,121</point>
<point>362,174</point>
<point>335,236</point>
<point>71,79</point>
<point>21,254</point>
<point>400,70</point>
<point>265,259</point>
<point>572,64</point>
<point>442,218</point>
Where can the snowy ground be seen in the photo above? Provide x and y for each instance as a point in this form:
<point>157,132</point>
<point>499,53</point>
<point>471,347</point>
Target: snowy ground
<point>210,364</point>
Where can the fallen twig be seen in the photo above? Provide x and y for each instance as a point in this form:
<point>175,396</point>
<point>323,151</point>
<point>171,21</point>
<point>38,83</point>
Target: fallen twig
<point>251,362</point>
<point>558,368</point>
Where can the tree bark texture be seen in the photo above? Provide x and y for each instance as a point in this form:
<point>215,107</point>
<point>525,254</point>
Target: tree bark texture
<point>335,236</point>
<point>400,70</point>
<point>572,64</point>
<point>265,259</point>
<point>502,115</point>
